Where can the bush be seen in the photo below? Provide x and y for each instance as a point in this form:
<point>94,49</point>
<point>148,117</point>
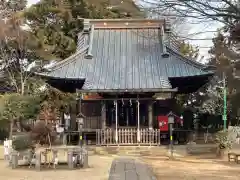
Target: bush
<point>223,140</point>
<point>22,142</point>
<point>3,134</point>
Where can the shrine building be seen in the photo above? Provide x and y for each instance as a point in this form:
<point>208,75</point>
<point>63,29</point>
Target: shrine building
<point>126,73</point>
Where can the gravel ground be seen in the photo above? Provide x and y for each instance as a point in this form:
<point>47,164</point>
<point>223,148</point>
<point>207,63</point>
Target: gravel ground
<point>185,168</point>
<point>98,170</point>
<point>193,169</point>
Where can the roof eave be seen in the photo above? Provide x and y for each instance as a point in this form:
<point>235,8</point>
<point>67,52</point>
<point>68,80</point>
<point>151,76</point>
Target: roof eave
<point>49,77</point>
<point>127,90</point>
<point>207,74</point>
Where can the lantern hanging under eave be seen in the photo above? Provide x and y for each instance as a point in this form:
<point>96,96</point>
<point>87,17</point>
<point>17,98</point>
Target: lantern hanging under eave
<point>170,118</point>
<point>80,119</point>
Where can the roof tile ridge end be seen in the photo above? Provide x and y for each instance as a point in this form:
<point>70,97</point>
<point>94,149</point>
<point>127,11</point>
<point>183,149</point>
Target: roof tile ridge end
<point>68,59</point>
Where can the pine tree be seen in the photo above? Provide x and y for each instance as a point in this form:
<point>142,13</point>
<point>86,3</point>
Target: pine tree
<point>9,7</point>
<point>56,23</point>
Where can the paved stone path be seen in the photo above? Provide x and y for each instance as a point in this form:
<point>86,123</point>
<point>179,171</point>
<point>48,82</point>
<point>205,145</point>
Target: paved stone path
<point>130,169</point>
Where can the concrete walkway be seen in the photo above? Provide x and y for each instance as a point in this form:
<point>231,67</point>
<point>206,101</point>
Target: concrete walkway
<point>130,169</point>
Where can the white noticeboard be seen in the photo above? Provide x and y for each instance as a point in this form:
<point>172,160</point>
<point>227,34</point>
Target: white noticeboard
<point>7,147</point>
<point>59,129</point>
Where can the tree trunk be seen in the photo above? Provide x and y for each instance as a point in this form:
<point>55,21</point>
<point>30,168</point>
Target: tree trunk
<point>11,129</point>
<point>22,87</point>
<point>25,127</point>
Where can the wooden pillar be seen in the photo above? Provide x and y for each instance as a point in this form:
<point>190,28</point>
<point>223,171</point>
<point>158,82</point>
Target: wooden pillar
<point>127,115</point>
<point>138,121</point>
<point>150,115</point>
<point>116,121</point>
<point>64,139</point>
<point>103,115</point>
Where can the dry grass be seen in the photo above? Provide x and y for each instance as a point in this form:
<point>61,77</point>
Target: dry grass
<point>193,169</point>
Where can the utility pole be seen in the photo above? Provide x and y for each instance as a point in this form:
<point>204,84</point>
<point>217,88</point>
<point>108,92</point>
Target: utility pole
<point>224,103</point>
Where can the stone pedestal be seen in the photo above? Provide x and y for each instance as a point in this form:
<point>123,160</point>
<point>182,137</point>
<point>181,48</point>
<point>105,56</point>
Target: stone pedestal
<point>64,139</point>
<point>38,161</point>
<point>83,154</point>
<point>85,162</point>
<point>78,158</point>
<point>70,159</point>
<point>14,159</point>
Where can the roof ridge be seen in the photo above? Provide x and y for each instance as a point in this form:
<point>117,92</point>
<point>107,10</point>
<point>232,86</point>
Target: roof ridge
<point>126,19</point>
<point>68,60</point>
<point>125,23</point>
<point>187,60</point>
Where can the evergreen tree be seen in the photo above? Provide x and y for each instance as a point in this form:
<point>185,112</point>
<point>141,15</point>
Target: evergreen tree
<point>56,23</point>
<point>189,50</point>
<point>223,58</point>
<point>10,7</point>
<point>188,100</point>
<point>19,50</point>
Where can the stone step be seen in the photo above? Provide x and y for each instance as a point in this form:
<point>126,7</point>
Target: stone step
<point>134,151</point>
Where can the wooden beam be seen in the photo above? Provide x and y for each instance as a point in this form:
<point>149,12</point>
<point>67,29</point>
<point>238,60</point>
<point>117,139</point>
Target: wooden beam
<point>124,99</point>
<point>103,115</point>
<point>150,115</point>
<point>138,121</point>
<point>116,121</point>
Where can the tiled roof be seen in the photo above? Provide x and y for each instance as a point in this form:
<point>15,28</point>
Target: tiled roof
<point>125,59</point>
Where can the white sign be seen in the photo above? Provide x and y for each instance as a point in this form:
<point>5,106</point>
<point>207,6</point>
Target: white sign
<point>162,96</point>
<point>67,116</point>
<point>7,148</point>
<point>162,123</point>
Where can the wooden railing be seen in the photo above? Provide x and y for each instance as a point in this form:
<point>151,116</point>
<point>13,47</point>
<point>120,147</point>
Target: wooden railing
<point>128,136</point>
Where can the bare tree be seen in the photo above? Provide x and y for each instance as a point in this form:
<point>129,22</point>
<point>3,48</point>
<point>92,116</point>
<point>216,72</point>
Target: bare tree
<point>20,50</point>
<point>218,10</point>
<point>16,53</point>
<point>206,14</point>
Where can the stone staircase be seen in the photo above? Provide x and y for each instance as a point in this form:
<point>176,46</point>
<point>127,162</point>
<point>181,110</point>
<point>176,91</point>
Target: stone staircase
<point>129,150</point>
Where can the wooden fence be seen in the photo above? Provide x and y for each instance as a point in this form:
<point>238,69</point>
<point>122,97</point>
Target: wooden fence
<point>127,136</point>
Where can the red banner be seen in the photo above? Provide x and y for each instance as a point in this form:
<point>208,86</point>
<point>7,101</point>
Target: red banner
<point>163,123</point>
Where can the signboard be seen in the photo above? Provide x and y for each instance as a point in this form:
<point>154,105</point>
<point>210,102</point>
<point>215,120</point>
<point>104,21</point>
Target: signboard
<point>163,123</point>
<point>162,96</point>
<point>91,96</point>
